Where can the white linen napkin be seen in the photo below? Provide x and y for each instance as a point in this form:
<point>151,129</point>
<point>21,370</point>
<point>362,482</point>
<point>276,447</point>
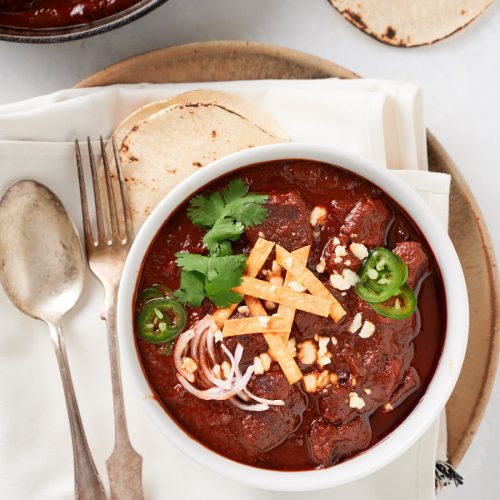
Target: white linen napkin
<point>380,120</point>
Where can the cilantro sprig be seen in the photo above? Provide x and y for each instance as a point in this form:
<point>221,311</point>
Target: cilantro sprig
<point>224,215</point>
<point>213,277</point>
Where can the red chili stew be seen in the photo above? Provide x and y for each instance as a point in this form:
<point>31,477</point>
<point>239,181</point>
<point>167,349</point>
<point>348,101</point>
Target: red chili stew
<point>57,13</point>
<point>376,374</point>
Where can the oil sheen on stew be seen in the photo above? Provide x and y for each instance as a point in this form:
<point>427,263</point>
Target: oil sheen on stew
<point>57,13</point>
<point>389,370</point>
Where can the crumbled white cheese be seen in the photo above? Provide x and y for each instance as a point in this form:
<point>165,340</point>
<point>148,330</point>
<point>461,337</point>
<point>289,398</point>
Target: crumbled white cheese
<point>345,280</point>
<point>189,365</point>
<point>318,216</point>
<point>266,360</point>
<point>323,345</point>
<point>244,310</point>
<point>356,323</point>
<point>307,352</point>
<point>321,266</point>
<point>292,347</point>
<point>258,367</point>
<point>359,250</point>
<point>323,379</point>
<point>334,340</point>
<point>388,407</point>
<point>355,401</point>
<point>367,391</point>
<point>340,251</point>
<point>337,260</point>
<point>324,360</point>
<point>336,241</point>
<point>310,382</point>
<point>296,286</point>
<point>367,330</point>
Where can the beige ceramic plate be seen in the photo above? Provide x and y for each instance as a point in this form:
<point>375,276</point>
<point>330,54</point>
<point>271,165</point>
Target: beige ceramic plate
<point>230,60</point>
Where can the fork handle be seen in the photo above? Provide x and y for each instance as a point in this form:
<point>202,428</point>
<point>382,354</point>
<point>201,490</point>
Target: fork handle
<point>124,464</point>
<point>88,485</point>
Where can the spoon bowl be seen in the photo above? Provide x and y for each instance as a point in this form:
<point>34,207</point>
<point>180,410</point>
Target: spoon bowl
<point>42,267</point>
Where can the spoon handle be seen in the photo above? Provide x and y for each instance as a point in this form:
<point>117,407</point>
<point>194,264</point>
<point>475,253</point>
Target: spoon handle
<point>88,485</point>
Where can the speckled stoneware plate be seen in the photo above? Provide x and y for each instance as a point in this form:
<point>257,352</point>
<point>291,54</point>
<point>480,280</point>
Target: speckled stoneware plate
<point>231,60</point>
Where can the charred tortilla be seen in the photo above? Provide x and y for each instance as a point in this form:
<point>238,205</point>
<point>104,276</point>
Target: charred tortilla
<point>164,142</point>
<point>410,23</point>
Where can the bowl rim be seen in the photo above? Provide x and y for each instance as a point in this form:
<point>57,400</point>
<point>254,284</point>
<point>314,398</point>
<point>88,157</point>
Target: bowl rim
<point>439,388</point>
<point>79,31</point>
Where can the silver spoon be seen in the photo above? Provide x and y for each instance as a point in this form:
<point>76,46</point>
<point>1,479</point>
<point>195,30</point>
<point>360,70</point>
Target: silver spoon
<point>42,271</point>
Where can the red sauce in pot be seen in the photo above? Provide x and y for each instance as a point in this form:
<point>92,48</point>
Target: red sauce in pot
<point>390,370</point>
<point>57,13</point>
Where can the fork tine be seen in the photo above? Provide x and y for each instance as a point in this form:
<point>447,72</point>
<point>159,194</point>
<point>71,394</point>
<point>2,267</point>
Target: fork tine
<point>101,235</point>
<point>115,235</point>
<point>124,195</point>
<point>87,231</point>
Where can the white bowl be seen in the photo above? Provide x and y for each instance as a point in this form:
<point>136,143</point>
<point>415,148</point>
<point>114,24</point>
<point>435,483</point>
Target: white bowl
<point>438,391</point>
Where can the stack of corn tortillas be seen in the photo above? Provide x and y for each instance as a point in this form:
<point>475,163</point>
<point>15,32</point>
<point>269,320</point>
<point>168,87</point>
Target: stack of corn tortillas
<point>164,142</point>
<point>409,23</point>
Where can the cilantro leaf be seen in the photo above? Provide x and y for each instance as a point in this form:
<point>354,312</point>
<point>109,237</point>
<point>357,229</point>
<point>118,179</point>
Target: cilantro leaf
<point>249,210</point>
<point>235,190</point>
<point>192,288</point>
<point>224,274</point>
<point>213,277</point>
<point>224,229</point>
<point>204,211</point>
<point>192,262</point>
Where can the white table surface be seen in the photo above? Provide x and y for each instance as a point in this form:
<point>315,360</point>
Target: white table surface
<point>460,77</point>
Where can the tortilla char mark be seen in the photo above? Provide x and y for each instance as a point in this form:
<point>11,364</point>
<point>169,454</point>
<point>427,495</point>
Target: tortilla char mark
<point>355,18</point>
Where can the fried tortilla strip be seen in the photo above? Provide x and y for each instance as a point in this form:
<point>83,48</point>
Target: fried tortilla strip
<point>284,295</point>
<point>306,278</point>
<point>254,324</point>
<point>285,312</point>
<point>257,258</point>
<point>277,348</point>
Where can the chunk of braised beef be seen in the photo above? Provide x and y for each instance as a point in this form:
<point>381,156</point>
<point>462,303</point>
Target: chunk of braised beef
<point>331,443</point>
<point>334,403</point>
<point>307,325</point>
<point>411,383</point>
<point>382,383</point>
<point>287,222</point>
<point>391,334</point>
<point>416,259</point>
<point>263,431</point>
<point>335,263</point>
<point>253,345</point>
<point>367,222</point>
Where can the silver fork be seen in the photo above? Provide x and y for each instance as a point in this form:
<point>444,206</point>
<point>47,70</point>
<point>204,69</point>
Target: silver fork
<point>106,255</point>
